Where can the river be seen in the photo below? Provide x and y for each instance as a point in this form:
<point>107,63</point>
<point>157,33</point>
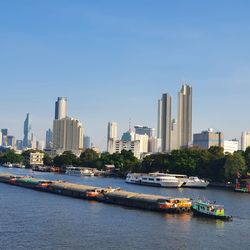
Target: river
<point>37,220</point>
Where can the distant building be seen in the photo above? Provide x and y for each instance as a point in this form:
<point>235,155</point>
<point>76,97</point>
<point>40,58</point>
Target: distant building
<point>19,144</point>
<point>231,146</point>
<point>209,138</point>
<point>36,158</point>
<point>40,145</point>
<point>86,142</point>
<point>166,123</point>
<point>184,125</point>
<point>67,135</point>
<point>245,140</point>
<point>144,130</point>
<point>154,145</point>
<point>159,119</point>
<point>61,108</point>
<point>174,136</point>
<point>11,141</point>
<point>4,140</point>
<point>112,133</point>
<point>116,146</point>
<point>1,138</point>
<point>144,142</point>
<point>49,139</point>
<point>4,131</point>
<point>27,132</point>
<point>128,136</point>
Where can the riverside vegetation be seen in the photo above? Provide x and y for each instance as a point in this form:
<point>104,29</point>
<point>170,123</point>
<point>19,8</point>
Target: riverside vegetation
<point>211,164</point>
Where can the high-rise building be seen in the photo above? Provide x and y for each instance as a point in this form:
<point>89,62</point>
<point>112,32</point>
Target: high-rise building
<point>27,132</point>
<point>245,140</point>
<point>209,138</point>
<point>86,142</point>
<point>154,145</point>
<point>159,119</point>
<point>61,108</point>
<point>49,139</point>
<point>144,130</point>
<point>19,144</point>
<point>1,138</point>
<point>166,122</point>
<point>11,141</point>
<point>144,142</point>
<point>184,125</point>
<point>174,141</point>
<point>112,134</point>
<point>67,135</point>
<point>40,145</point>
<point>4,131</point>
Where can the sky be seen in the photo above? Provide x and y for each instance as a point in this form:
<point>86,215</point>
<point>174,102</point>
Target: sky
<point>114,59</point>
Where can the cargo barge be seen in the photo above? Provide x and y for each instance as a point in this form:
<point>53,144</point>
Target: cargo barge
<point>106,195</point>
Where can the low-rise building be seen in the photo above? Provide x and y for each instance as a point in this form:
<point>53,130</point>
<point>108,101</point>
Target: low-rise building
<point>36,158</point>
<point>231,146</point>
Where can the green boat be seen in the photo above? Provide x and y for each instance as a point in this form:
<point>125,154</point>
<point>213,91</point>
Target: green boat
<point>208,209</point>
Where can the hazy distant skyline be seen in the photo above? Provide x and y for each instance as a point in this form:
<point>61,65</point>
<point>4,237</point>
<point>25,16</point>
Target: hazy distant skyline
<point>114,59</point>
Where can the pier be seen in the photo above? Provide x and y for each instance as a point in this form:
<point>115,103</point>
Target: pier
<point>106,195</point>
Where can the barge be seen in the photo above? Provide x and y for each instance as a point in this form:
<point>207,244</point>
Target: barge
<point>106,195</point>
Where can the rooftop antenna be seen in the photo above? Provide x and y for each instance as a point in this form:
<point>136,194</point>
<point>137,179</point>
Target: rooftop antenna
<point>129,125</point>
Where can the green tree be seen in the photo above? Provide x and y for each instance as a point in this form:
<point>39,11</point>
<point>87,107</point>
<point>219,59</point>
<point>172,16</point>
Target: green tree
<point>66,159</point>
<point>235,164</point>
<point>89,158</point>
<point>47,160</point>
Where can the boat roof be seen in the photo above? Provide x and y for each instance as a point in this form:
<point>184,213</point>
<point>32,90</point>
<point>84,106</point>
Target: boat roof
<point>208,203</point>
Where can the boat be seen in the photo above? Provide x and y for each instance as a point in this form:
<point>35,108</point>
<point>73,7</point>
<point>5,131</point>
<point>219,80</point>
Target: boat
<point>73,171</point>
<point>154,179</point>
<point>195,182</point>
<point>243,185</point>
<point>77,171</point>
<point>208,209</point>
<point>8,165</point>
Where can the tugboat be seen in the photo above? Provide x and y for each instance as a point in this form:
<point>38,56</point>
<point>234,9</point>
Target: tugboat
<point>208,209</point>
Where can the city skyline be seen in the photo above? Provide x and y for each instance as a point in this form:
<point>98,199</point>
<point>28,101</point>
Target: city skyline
<point>114,65</point>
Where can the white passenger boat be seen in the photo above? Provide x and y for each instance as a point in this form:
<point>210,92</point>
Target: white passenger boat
<point>154,179</point>
<point>195,182</point>
<point>77,171</point>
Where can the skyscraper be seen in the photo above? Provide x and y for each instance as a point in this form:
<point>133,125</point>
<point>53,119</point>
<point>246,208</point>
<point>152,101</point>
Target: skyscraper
<point>61,108</point>
<point>1,138</point>
<point>27,132</point>
<point>174,142</point>
<point>112,133</point>
<point>49,139</point>
<point>86,142</point>
<point>184,124</point>
<point>4,131</point>
<point>159,119</point>
<point>166,122</point>
<point>67,135</point>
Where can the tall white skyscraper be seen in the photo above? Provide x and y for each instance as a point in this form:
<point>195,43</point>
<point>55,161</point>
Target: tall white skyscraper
<point>166,122</point>
<point>245,140</point>
<point>61,108</point>
<point>1,138</point>
<point>159,122</point>
<point>184,125</point>
<point>112,135</point>
<point>67,135</point>
<point>174,141</point>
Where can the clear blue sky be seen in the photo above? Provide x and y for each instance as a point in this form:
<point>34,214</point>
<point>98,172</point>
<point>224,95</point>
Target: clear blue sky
<point>113,59</point>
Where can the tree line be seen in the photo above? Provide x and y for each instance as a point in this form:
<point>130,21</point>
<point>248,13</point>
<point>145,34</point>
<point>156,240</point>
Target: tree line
<point>211,164</point>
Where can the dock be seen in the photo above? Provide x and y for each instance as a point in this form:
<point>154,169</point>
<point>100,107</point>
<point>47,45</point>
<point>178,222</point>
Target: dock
<point>106,195</point>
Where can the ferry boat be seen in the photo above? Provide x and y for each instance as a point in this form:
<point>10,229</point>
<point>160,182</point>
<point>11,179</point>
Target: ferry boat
<point>77,171</point>
<point>154,179</point>
<point>208,209</point>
